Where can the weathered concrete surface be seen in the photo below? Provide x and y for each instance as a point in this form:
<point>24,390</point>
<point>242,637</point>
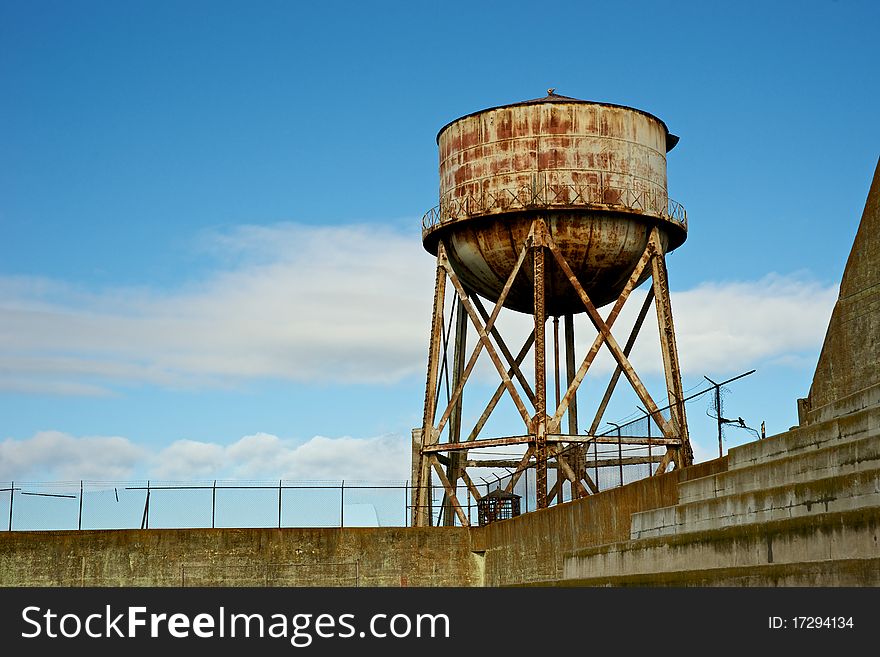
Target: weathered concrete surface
<point>524,549</point>
<point>800,508</point>
<point>839,493</point>
<point>800,542</point>
<point>859,423</point>
<point>833,448</point>
<point>858,456</point>
<point>850,572</point>
<point>532,547</point>
<point>850,359</point>
<point>241,557</point>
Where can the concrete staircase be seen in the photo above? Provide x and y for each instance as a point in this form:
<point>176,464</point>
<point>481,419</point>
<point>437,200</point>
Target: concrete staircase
<point>800,508</point>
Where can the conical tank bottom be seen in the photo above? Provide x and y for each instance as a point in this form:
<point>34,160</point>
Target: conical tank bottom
<point>602,248</point>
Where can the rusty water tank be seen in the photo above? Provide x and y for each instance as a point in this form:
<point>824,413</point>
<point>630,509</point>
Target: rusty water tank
<point>596,173</point>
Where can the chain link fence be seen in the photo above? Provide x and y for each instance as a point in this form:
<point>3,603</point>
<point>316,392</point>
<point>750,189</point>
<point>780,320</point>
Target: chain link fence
<point>81,505</point>
<point>73,505</point>
<point>611,465</point>
<point>34,505</point>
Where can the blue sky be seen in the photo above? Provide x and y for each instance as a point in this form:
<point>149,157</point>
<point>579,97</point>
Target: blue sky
<point>210,249</point>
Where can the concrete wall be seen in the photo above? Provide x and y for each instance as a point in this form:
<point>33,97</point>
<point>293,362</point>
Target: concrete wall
<point>828,549</point>
<point>850,354</point>
<point>525,549</point>
<point>532,547</point>
<point>241,557</point>
<point>585,542</point>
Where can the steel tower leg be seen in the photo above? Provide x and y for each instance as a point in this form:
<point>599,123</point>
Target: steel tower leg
<point>560,473</point>
<point>684,455</point>
<point>540,418</point>
<point>453,470</point>
<point>577,451</point>
<point>421,487</point>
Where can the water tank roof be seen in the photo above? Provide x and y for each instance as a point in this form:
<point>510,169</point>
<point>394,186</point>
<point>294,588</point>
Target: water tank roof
<point>553,97</point>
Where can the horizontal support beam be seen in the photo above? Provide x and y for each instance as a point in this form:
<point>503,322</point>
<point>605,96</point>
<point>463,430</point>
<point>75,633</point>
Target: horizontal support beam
<point>610,440</point>
<point>551,438</point>
<point>477,444</point>
<point>626,460</point>
<point>592,463</point>
<point>494,463</point>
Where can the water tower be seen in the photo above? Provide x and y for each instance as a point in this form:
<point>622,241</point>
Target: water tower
<point>550,207</point>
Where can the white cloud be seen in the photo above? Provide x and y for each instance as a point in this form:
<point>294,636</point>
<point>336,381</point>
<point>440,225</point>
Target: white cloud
<point>384,457</point>
<point>341,304</point>
<point>721,328</point>
<point>344,304</point>
<point>57,455</point>
<point>53,455</point>
<point>724,327</point>
<point>189,459</point>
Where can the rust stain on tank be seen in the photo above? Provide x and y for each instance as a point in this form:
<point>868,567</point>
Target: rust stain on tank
<point>596,172</point>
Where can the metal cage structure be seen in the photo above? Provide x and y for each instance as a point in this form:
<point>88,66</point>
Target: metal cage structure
<point>497,505</point>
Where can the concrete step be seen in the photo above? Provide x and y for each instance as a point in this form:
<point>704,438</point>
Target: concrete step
<point>861,399</point>
<point>838,493</point>
<point>844,535</point>
<point>864,423</point>
<point>837,573</point>
<point>830,461</point>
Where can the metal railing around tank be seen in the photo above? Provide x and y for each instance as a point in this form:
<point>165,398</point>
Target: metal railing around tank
<point>556,196</point>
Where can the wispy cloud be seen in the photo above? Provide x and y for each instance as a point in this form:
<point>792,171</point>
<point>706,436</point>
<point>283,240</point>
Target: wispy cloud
<point>345,304</point>
<point>721,328</point>
<point>264,455</point>
<point>725,327</point>
<point>57,455</point>
<point>53,455</point>
<point>340,305</point>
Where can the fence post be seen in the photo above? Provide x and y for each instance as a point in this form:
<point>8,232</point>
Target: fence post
<point>11,495</point>
<point>619,453</point>
<point>145,521</point>
<point>650,460</point>
<point>342,504</point>
<point>717,387</point>
<point>79,523</point>
<point>213,503</point>
<point>406,503</point>
<point>718,408</point>
<point>279,504</point>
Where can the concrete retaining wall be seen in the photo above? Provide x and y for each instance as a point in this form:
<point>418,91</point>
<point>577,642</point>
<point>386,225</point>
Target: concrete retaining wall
<point>401,556</point>
<point>532,547</point>
<point>840,493</point>
<point>849,536</point>
<point>524,549</point>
